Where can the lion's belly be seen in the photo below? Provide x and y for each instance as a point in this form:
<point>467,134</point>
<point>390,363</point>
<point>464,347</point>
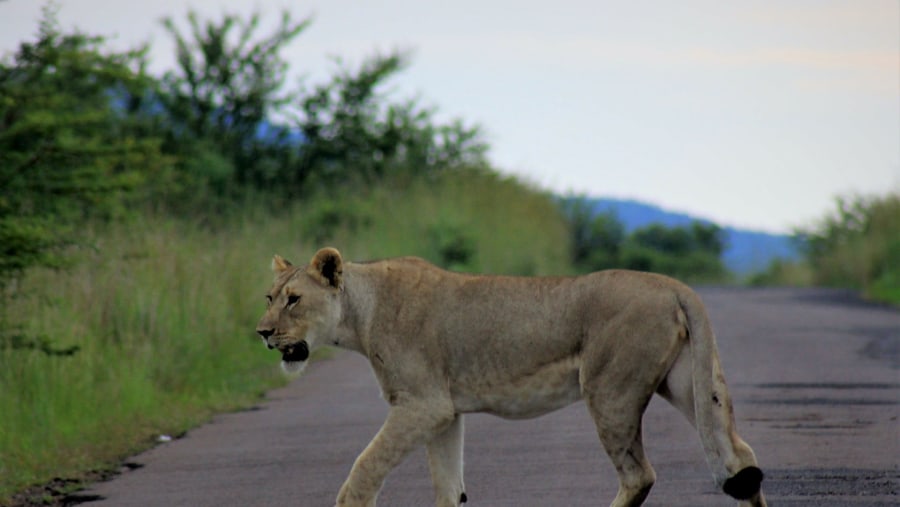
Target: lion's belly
<point>549,388</point>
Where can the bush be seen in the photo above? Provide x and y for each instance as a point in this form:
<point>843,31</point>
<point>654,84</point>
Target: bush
<point>858,246</point>
<point>783,273</point>
<point>691,253</point>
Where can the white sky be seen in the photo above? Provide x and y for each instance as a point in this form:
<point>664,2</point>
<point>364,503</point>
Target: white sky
<point>755,114</point>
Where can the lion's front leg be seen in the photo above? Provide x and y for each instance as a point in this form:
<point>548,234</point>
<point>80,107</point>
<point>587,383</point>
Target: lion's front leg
<point>445,459</point>
<point>406,427</point>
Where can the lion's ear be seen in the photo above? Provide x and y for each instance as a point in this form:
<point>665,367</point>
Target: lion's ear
<point>327,268</point>
<point>280,264</point>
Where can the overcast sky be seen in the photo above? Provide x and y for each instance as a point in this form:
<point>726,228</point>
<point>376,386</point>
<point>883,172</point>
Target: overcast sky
<point>754,114</point>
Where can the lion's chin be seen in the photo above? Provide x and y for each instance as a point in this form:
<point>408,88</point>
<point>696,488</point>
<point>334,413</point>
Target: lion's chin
<point>293,367</point>
<point>293,357</point>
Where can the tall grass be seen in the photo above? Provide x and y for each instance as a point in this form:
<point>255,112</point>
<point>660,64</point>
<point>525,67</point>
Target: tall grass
<point>162,314</point>
<point>505,226</point>
<point>162,311</point>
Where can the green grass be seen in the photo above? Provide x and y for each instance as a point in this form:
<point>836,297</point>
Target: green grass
<point>162,315</point>
<point>163,311</point>
<point>511,228</point>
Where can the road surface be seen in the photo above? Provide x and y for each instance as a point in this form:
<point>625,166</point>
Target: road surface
<point>815,377</point>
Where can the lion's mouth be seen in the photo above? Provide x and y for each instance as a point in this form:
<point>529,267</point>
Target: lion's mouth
<point>295,353</point>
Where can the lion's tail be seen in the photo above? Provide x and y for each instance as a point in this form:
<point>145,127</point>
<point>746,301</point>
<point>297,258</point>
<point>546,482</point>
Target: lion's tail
<point>731,460</point>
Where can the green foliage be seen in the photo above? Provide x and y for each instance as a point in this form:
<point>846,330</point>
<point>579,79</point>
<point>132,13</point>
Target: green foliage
<point>453,246</point>
<point>858,246</point>
<point>345,132</point>
<point>25,243</point>
<point>680,241</point>
<point>352,134</point>
<point>783,273</point>
<point>466,220</point>
<point>600,242</point>
<point>690,253</point>
<point>596,239</point>
<point>66,153</point>
<point>85,133</point>
<point>225,88</point>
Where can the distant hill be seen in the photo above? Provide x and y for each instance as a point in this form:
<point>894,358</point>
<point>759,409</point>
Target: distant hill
<point>746,251</point>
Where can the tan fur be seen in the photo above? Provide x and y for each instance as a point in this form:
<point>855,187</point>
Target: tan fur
<point>443,344</point>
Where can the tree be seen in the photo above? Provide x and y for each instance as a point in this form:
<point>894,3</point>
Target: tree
<point>596,239</point>
<point>351,133</point>
<point>672,241</point>
<point>219,98</point>
<point>692,252</point>
<point>68,149</point>
<point>708,238</point>
<point>600,241</point>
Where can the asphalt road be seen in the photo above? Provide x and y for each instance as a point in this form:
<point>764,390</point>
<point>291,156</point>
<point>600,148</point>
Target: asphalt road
<point>815,377</point>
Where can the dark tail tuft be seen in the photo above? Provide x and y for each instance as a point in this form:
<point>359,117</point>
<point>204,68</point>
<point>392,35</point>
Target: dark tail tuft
<point>744,484</point>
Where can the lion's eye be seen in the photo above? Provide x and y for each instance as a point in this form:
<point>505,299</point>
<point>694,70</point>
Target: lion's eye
<point>292,299</point>
<point>268,300</point>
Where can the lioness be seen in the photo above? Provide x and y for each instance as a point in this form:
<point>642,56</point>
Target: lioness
<point>442,344</point>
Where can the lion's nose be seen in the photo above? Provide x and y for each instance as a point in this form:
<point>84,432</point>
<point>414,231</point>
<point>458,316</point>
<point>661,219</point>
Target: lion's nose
<point>266,333</point>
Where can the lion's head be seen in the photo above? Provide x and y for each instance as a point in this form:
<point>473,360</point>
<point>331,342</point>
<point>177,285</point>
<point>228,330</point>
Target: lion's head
<point>303,308</point>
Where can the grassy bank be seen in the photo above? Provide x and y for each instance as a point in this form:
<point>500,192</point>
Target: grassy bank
<point>477,222</point>
<point>148,334</point>
<point>151,330</point>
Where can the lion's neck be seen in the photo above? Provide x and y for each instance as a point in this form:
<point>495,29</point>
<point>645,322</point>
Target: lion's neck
<point>356,309</point>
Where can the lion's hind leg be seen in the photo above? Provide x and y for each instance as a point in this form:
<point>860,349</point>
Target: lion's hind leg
<point>616,400</point>
<point>619,428</point>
